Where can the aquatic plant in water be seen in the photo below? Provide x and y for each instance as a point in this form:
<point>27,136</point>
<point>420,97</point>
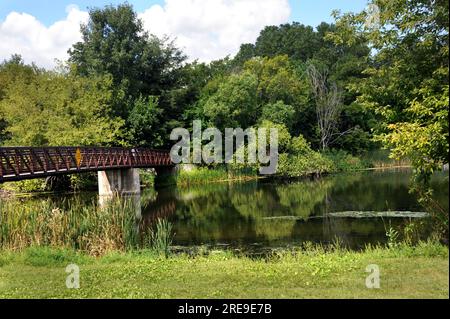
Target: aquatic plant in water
<point>161,237</point>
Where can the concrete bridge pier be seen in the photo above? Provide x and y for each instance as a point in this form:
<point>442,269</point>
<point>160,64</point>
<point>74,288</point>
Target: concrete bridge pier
<point>120,182</point>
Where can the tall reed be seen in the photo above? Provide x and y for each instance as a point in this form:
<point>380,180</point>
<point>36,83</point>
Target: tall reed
<point>161,237</point>
<point>90,228</point>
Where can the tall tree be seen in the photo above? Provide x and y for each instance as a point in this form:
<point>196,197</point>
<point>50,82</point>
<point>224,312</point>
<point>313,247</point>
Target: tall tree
<point>13,71</point>
<point>408,79</point>
<point>53,109</point>
<point>345,62</point>
<point>296,40</point>
<point>408,83</point>
<point>114,43</point>
<point>328,104</point>
<point>266,89</point>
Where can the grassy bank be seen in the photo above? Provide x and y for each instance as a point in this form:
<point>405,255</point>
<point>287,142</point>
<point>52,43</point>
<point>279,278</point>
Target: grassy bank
<point>301,165</point>
<point>199,175</point>
<point>38,240</point>
<point>405,272</point>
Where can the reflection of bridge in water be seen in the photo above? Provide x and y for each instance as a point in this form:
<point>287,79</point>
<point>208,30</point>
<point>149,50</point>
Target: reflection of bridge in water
<point>155,211</point>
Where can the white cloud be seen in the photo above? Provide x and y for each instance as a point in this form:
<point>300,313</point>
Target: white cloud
<point>205,30</point>
<point>23,34</point>
<point>212,29</point>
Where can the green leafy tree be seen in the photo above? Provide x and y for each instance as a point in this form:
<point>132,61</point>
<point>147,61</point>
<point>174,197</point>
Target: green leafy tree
<point>144,122</point>
<point>13,70</point>
<point>279,113</point>
<point>235,102</point>
<point>407,83</point>
<point>201,79</point>
<point>264,89</point>
<point>114,43</point>
<point>57,109</point>
<point>344,62</point>
<point>296,40</point>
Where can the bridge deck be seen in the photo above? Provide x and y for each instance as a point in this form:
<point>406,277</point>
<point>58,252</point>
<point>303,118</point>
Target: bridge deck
<point>20,163</point>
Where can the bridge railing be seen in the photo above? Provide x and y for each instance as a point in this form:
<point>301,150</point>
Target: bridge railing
<point>18,163</point>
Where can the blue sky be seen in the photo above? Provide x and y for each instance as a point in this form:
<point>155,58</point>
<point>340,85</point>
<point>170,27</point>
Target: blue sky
<point>49,11</point>
<point>42,31</point>
<point>310,12</point>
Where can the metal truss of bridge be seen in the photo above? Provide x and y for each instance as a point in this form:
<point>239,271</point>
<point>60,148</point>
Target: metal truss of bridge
<point>20,163</point>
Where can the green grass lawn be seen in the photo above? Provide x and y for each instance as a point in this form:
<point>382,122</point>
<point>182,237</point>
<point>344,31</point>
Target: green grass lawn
<point>405,272</point>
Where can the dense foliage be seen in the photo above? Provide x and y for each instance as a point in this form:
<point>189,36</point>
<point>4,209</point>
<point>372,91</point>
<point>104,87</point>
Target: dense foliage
<point>407,84</point>
<point>49,108</point>
<point>124,86</point>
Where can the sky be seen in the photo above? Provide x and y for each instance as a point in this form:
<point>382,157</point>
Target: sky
<point>43,30</point>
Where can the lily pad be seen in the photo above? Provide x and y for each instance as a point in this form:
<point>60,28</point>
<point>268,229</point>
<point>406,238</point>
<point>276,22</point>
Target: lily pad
<point>369,214</point>
<point>359,214</point>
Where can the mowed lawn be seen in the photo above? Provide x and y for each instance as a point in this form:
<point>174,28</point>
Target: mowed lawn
<point>405,272</point>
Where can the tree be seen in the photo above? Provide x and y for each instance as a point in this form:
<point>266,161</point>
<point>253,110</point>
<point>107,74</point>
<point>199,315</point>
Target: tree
<point>3,125</point>
<point>114,43</point>
<point>235,102</point>
<point>144,122</point>
<point>263,86</point>
<point>345,62</point>
<point>198,78</point>
<point>12,71</point>
<point>408,84</point>
<point>296,40</point>
<point>246,52</point>
<point>279,113</point>
<point>59,109</point>
<point>328,105</point>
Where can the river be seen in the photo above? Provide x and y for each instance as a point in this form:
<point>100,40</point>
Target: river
<point>257,216</point>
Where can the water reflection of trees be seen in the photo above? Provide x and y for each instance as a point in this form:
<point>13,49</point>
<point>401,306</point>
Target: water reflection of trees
<point>228,211</point>
<point>274,211</point>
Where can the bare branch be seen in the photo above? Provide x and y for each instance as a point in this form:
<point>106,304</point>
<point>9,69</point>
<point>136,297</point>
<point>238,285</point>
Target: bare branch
<point>328,104</point>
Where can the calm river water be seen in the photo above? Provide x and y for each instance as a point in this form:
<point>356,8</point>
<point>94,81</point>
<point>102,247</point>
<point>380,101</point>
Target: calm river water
<point>263,214</point>
<point>260,215</point>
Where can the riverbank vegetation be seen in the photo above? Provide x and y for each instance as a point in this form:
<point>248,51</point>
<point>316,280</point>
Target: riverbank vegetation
<point>92,230</point>
<point>336,92</point>
<point>322,89</point>
<point>319,85</point>
<point>270,210</point>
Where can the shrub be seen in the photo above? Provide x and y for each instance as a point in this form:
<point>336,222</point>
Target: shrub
<point>344,162</point>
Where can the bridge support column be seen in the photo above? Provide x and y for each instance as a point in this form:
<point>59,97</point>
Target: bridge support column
<point>119,182</point>
<point>124,183</point>
<point>166,176</point>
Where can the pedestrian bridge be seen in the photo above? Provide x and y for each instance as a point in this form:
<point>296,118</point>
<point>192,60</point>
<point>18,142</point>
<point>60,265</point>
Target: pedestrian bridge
<point>20,163</point>
<point>116,166</point>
